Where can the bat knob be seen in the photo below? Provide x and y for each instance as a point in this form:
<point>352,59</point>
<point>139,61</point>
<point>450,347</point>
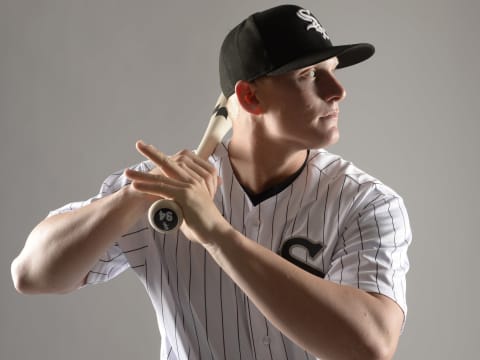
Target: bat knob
<point>165,215</point>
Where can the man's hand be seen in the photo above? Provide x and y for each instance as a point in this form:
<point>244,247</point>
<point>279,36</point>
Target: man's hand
<point>188,180</point>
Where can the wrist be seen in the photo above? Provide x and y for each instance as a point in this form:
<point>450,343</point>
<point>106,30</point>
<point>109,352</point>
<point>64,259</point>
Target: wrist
<point>220,237</point>
<point>137,199</point>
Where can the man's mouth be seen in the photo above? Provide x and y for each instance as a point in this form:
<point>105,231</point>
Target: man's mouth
<point>330,115</point>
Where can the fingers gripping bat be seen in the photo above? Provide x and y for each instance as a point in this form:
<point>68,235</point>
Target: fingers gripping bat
<point>166,215</point>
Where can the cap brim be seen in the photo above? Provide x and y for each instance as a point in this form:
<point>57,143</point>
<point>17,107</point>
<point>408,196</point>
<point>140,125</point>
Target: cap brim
<point>347,55</point>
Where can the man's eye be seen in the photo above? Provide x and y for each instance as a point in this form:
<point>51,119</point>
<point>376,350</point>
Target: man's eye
<point>311,74</point>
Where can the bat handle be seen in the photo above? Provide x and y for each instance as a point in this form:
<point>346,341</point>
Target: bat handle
<point>165,215</point>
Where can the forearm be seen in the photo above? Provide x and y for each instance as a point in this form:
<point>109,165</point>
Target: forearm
<point>327,319</point>
<point>61,250</point>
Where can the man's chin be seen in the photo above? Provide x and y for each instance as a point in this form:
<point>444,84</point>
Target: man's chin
<point>331,139</point>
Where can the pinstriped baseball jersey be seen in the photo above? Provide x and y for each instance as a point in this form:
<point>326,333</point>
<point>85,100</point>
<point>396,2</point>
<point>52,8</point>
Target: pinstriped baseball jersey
<point>330,219</point>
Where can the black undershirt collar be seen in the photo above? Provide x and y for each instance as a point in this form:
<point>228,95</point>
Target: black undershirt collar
<point>274,190</point>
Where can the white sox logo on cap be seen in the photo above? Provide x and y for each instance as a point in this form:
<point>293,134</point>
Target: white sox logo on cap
<point>306,15</point>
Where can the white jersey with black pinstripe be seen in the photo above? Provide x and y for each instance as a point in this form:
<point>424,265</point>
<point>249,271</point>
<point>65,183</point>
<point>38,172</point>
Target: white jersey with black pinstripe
<point>331,219</point>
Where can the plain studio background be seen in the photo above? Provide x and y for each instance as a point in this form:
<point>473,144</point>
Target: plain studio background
<point>81,81</point>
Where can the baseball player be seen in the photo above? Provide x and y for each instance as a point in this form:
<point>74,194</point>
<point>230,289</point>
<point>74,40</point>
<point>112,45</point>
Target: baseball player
<point>287,250</point>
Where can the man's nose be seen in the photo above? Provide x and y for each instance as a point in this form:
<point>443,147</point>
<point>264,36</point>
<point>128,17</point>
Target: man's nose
<point>330,89</point>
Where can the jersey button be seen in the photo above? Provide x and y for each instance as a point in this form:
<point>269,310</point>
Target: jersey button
<point>266,340</point>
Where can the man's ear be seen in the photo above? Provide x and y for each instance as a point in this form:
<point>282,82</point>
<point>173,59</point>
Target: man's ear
<point>246,97</point>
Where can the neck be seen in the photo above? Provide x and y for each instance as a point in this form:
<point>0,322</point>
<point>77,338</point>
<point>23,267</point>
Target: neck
<point>258,161</point>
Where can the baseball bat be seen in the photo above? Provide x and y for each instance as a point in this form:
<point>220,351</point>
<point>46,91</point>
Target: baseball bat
<point>166,215</point>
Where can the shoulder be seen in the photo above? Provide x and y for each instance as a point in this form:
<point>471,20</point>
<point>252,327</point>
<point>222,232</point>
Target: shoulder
<point>348,183</point>
<point>334,169</point>
<point>337,168</point>
<point>220,154</point>
<point>110,185</point>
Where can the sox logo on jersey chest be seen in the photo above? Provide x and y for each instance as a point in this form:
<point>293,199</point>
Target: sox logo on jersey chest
<point>313,250</point>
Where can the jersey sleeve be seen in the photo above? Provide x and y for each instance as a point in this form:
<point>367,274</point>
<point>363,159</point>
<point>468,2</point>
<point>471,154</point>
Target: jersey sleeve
<point>113,262</point>
<point>371,253</point>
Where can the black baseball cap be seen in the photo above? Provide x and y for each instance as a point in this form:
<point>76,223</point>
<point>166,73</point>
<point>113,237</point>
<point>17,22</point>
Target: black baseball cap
<point>278,40</point>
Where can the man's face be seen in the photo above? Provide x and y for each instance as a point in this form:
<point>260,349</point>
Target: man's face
<point>301,106</point>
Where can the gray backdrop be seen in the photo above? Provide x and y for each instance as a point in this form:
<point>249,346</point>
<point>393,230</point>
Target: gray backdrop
<point>81,81</point>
